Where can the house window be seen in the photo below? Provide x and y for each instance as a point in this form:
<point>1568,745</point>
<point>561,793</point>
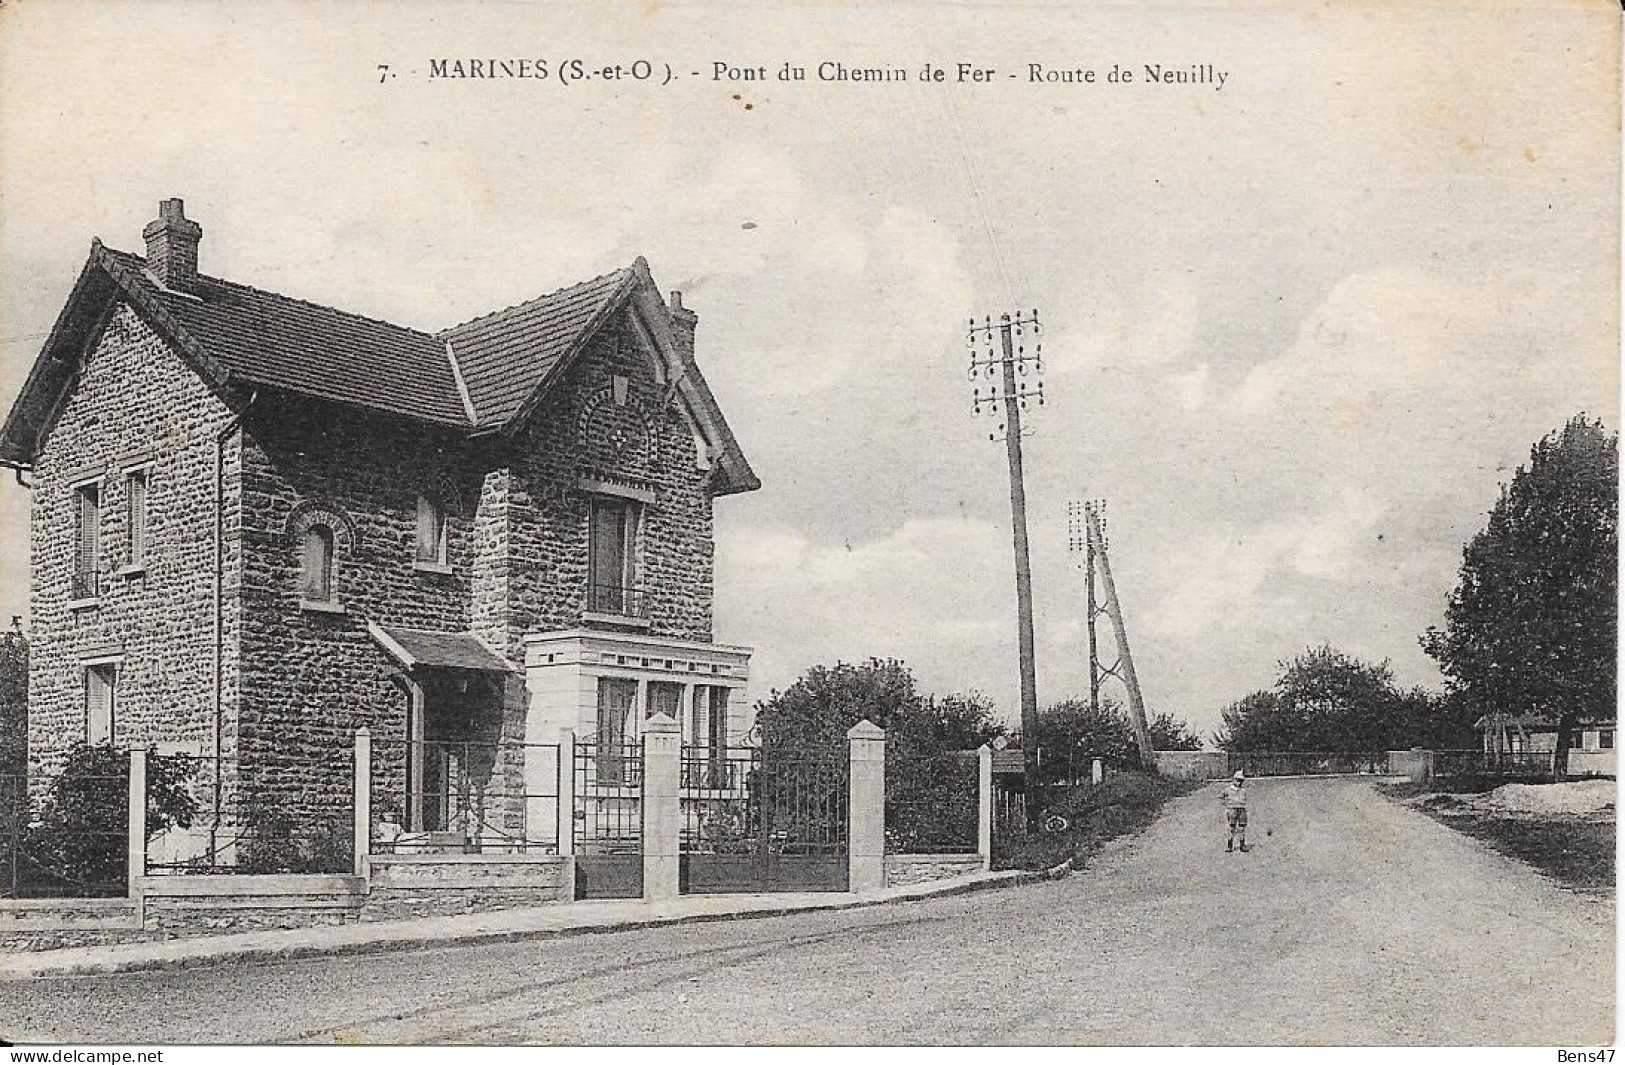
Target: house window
<point>709,732</point>
<point>1576,740</point>
<point>101,682</point>
<point>616,728</point>
<point>1605,739</point>
<point>432,535</point>
<point>316,565</point>
<point>135,502</point>
<point>87,527</point>
<point>611,551</point>
<point>666,698</point>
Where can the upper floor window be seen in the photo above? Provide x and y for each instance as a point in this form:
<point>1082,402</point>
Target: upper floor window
<point>316,565</point>
<point>432,532</point>
<point>135,503</point>
<point>1605,739</point>
<point>87,500</point>
<point>612,553</point>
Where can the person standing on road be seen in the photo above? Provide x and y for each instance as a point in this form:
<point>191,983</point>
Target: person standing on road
<point>1235,811</point>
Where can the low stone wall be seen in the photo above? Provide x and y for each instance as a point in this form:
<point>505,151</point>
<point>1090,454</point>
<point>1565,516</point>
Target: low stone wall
<point>45,924</point>
<point>1194,765</point>
<point>904,869</point>
<point>221,904</point>
<point>431,885</point>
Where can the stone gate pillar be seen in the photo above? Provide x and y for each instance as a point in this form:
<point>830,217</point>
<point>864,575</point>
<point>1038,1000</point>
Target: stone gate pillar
<point>662,811</point>
<point>984,805</point>
<point>866,807</point>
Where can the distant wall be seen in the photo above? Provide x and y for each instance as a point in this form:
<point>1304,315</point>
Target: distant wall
<point>1193,765</point>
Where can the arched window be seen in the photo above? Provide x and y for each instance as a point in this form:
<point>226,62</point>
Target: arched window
<point>316,565</point>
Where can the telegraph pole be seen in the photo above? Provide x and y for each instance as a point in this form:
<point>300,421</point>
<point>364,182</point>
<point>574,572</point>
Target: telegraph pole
<point>1079,540</point>
<point>1125,661</point>
<point>1005,393</point>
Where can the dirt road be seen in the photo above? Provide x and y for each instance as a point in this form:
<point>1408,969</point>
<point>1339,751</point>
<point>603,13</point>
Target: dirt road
<point>1355,922</point>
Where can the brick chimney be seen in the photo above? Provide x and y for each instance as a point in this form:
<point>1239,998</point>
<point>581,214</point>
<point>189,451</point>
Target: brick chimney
<point>172,241</point>
<point>683,322</point>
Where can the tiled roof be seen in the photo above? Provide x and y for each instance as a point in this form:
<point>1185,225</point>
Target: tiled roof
<point>506,355</point>
<point>451,650</point>
<point>232,333</point>
<point>274,340</point>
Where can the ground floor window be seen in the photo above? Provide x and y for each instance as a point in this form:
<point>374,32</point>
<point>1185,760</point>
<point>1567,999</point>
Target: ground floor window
<point>666,698</point>
<point>708,730</point>
<point>101,685</point>
<point>1605,739</point>
<point>617,698</point>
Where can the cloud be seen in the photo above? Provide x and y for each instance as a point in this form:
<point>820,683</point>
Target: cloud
<point>918,593</point>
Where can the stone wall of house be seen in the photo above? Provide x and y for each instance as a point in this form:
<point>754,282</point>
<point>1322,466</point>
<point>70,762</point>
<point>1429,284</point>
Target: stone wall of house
<point>137,404</point>
<point>582,431</point>
<point>312,676</point>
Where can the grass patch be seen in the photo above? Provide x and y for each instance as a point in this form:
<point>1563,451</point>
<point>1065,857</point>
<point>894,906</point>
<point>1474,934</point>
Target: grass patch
<point>1124,803</point>
<point>1577,851</point>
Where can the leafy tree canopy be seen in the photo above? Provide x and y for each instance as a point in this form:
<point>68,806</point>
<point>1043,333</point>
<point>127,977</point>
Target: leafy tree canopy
<point>825,702</point>
<point>1325,700</point>
<point>1071,733</point>
<point>1531,627</point>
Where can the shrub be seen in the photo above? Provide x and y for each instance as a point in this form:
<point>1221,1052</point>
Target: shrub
<point>80,842</point>
<point>1124,803</point>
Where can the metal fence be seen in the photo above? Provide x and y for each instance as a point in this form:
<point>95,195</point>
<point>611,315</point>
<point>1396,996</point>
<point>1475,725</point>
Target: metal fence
<point>65,834</point>
<point>1479,762</point>
<point>464,796</point>
<point>931,803</point>
<point>253,821</point>
<point>1309,763</point>
<point>608,818</point>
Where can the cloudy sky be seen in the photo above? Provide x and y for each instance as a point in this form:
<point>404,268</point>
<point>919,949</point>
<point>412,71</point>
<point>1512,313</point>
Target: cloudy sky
<point>1300,327</point>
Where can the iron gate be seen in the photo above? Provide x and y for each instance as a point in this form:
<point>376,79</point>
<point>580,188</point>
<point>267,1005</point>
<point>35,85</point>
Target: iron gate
<point>607,823</point>
<point>757,820</point>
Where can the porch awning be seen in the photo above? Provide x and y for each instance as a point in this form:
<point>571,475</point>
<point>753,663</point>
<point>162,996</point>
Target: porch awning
<point>445,650</point>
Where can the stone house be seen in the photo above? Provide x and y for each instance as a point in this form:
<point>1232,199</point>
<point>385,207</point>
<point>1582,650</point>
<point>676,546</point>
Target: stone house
<point>260,523</point>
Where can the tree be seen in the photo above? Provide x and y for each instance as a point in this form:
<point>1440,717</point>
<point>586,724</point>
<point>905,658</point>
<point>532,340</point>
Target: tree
<point>825,702</point>
<point>1531,626</point>
<point>1170,733</point>
<point>930,784</point>
<point>1325,700</point>
<point>13,704</point>
<point>1072,733</point>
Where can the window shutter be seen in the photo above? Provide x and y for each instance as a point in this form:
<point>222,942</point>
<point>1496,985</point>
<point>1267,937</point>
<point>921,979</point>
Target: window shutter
<point>316,567</point>
<point>137,501</point>
<point>99,682</point>
<point>429,520</point>
<point>85,542</point>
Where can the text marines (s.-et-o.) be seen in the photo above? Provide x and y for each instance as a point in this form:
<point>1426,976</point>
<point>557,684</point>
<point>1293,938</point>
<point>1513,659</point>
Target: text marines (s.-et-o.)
<point>633,71</point>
